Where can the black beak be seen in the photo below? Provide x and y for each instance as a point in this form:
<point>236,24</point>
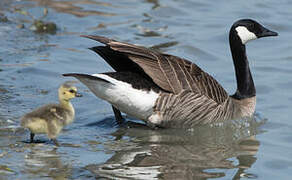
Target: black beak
<point>266,32</point>
<point>78,95</point>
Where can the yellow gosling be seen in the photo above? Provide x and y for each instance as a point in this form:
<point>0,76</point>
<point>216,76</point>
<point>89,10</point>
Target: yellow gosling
<point>51,118</point>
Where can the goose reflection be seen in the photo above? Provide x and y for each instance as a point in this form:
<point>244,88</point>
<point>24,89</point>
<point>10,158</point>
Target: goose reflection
<point>201,153</point>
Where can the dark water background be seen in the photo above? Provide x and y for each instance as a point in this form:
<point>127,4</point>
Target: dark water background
<point>93,146</point>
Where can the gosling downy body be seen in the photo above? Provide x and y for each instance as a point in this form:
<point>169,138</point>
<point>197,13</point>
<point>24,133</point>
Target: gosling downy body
<point>51,118</point>
<point>168,91</point>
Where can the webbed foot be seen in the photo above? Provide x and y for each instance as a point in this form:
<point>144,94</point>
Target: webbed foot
<point>31,137</point>
<point>55,142</point>
<point>119,118</point>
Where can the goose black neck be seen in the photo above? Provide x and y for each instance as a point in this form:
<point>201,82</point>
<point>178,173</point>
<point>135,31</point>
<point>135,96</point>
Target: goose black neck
<point>245,84</point>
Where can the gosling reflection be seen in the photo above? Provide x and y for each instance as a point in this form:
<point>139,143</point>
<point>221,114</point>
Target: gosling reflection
<point>41,162</point>
<point>202,153</point>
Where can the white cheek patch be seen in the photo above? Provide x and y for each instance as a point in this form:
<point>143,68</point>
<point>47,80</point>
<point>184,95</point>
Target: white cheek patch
<point>244,34</point>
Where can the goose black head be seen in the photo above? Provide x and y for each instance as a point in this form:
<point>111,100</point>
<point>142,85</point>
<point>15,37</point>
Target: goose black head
<point>248,29</point>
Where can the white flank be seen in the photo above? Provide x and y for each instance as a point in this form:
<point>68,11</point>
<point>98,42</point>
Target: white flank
<point>134,102</point>
<point>244,34</point>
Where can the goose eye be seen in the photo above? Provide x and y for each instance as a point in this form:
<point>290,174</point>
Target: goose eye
<point>72,91</point>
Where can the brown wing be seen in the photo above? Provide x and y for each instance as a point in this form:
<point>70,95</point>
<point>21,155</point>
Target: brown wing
<point>171,73</point>
<point>49,112</point>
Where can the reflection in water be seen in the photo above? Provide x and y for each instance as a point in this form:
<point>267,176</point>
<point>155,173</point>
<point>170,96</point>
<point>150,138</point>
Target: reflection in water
<point>105,25</point>
<point>160,47</point>
<point>180,154</point>
<point>71,7</point>
<point>44,162</point>
<point>154,2</point>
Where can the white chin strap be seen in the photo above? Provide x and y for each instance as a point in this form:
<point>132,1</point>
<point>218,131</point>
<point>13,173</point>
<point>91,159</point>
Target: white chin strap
<point>244,34</point>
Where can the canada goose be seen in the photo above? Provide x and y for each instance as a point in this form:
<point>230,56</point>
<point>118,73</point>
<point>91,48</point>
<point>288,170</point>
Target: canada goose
<point>51,118</point>
<point>168,91</point>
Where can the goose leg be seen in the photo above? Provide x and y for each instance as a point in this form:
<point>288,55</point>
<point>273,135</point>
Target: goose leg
<point>31,137</point>
<point>55,142</point>
<point>118,115</point>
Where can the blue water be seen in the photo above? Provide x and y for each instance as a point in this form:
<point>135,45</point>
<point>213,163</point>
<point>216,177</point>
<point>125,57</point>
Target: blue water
<point>93,146</point>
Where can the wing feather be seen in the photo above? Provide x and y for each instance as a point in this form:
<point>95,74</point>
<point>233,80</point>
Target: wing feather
<point>171,73</point>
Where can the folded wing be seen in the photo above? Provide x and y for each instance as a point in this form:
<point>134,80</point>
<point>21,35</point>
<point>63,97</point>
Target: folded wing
<point>172,74</point>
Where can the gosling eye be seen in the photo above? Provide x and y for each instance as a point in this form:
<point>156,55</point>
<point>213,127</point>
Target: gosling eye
<point>72,91</point>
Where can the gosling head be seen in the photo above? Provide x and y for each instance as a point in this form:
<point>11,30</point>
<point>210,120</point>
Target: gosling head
<point>248,29</point>
<point>67,92</point>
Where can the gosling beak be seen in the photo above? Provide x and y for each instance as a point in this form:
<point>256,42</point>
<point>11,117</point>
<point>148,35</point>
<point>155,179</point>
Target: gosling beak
<point>78,95</point>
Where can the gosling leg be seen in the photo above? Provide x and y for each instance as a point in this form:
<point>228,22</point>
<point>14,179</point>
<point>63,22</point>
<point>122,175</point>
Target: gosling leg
<point>118,116</point>
<point>31,137</point>
<point>55,142</point>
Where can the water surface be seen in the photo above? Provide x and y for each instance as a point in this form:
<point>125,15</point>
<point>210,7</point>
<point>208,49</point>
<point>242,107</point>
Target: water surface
<point>93,147</point>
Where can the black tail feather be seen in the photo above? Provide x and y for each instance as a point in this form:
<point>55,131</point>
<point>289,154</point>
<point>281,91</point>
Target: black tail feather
<point>85,76</point>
